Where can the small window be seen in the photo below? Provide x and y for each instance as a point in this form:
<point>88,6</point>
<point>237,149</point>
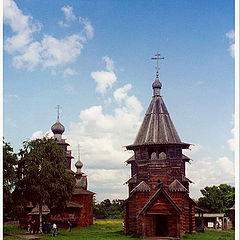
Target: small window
<point>153,156</point>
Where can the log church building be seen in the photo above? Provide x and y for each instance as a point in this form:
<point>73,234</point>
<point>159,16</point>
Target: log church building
<point>159,204</point>
<point>79,210</point>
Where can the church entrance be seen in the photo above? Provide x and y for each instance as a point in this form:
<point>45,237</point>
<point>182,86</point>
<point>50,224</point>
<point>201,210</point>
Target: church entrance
<point>161,226</point>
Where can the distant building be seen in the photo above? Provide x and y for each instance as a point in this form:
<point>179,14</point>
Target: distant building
<point>79,210</point>
<point>158,204</point>
<point>214,220</point>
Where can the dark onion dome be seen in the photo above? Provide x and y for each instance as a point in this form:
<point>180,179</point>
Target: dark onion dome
<point>58,128</point>
<point>78,164</point>
<point>156,84</point>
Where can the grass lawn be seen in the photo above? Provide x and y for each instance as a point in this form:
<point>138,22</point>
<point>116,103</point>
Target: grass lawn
<point>211,235</point>
<point>113,231</point>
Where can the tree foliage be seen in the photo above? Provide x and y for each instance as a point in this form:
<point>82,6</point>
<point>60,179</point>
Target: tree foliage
<point>107,209</point>
<point>9,180</point>
<point>42,175</point>
<point>217,199</point>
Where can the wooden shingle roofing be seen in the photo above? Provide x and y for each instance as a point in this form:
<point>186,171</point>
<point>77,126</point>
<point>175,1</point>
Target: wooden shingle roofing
<point>157,126</point>
<point>176,186</point>
<point>141,187</point>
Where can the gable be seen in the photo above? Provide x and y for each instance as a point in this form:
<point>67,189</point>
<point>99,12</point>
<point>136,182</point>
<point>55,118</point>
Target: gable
<point>161,205</point>
<point>160,202</point>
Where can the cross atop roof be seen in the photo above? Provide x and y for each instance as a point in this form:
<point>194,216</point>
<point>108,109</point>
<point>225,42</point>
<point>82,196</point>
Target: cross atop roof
<point>157,58</point>
<point>58,111</point>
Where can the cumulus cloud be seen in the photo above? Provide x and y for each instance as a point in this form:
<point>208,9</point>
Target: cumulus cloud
<point>207,172</point>
<point>37,134</point>
<point>88,28</point>
<point>41,134</point>
<point>68,12</point>
<point>47,52</point>
<point>231,141</point>
<point>108,183</point>
<point>21,25</point>
<point>101,138</point>
<point>192,150</point>
<point>105,79</point>
<point>231,38</point>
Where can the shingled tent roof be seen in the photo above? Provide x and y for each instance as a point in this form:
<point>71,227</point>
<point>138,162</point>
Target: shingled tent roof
<point>141,187</point>
<point>157,127</point>
<point>176,186</point>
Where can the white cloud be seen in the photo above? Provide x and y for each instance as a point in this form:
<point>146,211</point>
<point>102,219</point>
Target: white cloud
<point>192,150</point>
<point>40,134</point>
<point>69,72</point>
<point>101,139</point>
<point>88,28</point>
<point>47,52</point>
<point>230,35</point>
<point>121,93</point>
<point>20,24</point>
<point>69,16</point>
<point>231,141</point>
<point>108,183</point>
<point>207,172</point>
<point>105,79</point>
<point>231,38</point>
<point>37,134</point>
<point>226,166</point>
<point>68,12</point>
<point>109,63</point>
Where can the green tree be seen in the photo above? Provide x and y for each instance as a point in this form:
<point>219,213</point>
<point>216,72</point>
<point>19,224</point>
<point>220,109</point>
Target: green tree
<point>42,175</point>
<point>217,199</point>
<point>9,179</point>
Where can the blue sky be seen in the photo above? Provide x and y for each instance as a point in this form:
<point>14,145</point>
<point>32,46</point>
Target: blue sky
<point>93,58</point>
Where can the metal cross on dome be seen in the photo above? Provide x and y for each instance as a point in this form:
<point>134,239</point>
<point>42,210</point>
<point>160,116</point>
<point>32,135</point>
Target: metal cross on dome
<point>157,58</point>
<point>58,111</point>
<point>78,151</point>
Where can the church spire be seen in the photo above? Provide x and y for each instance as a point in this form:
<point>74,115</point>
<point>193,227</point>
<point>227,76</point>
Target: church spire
<point>157,84</point>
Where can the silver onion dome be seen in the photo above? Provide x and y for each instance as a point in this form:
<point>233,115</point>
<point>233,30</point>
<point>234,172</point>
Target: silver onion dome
<point>58,128</point>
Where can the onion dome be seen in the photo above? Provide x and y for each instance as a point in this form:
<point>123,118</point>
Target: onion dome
<point>156,86</point>
<point>78,164</point>
<point>58,128</point>
<point>156,83</point>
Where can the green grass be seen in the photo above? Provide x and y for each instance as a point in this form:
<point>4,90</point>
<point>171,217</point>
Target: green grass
<point>7,229</point>
<point>113,231</point>
<point>211,235</point>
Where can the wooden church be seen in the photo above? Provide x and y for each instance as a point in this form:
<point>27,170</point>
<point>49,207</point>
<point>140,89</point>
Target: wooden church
<point>79,210</point>
<point>159,204</point>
